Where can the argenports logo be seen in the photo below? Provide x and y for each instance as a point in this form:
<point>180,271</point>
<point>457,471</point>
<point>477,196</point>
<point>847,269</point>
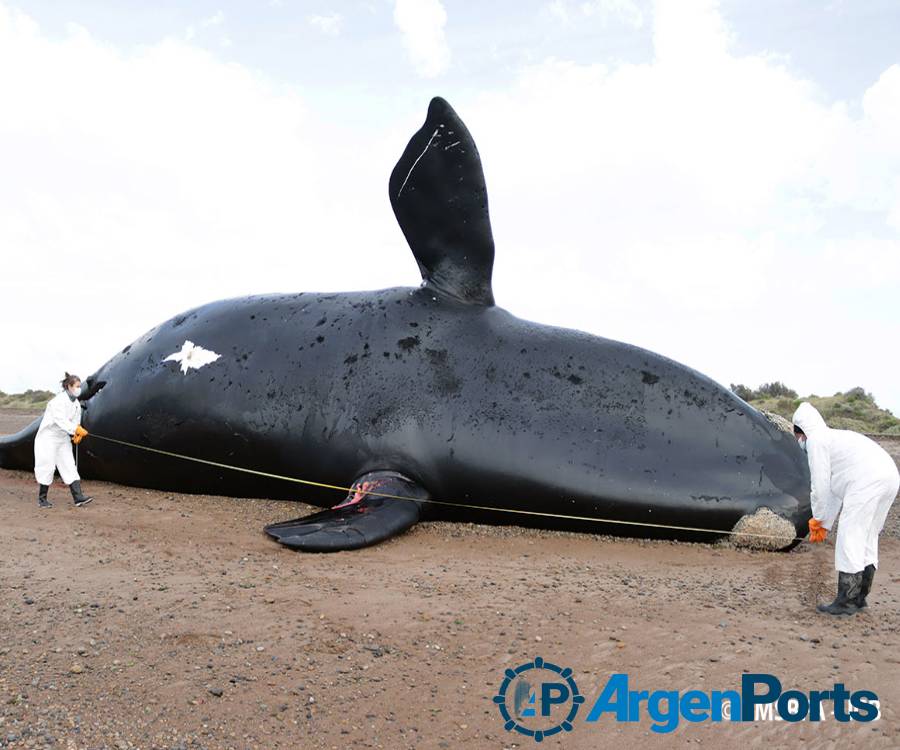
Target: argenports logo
<point>540,699</point>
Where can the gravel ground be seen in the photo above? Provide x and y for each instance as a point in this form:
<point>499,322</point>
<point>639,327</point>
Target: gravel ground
<point>158,620</point>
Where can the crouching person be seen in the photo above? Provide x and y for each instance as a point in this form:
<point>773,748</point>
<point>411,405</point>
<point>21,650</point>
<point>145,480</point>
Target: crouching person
<point>855,476</point>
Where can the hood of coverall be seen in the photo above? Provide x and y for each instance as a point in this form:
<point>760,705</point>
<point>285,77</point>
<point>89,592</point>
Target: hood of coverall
<point>808,419</point>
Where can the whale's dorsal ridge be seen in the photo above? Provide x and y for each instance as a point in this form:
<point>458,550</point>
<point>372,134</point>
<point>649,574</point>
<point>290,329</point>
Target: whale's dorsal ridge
<point>439,197</point>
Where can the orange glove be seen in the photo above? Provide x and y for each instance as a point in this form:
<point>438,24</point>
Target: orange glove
<point>817,531</point>
<point>80,434</point>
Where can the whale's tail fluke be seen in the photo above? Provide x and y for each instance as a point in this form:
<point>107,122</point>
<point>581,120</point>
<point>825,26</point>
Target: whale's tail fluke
<point>17,450</point>
<point>439,197</point>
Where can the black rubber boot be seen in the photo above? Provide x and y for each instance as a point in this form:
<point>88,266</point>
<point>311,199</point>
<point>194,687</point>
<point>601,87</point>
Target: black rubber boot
<point>868,575</point>
<point>849,587</point>
<point>77,495</point>
<point>43,502</point>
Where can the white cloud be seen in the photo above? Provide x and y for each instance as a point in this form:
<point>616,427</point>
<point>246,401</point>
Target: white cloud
<point>863,169</point>
<point>570,12</point>
<point>560,10</point>
<point>328,24</point>
<point>421,22</point>
<point>139,184</point>
<point>625,11</point>
<point>216,19</point>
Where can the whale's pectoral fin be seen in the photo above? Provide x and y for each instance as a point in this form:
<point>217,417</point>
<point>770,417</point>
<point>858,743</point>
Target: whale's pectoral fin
<point>439,197</point>
<point>381,505</point>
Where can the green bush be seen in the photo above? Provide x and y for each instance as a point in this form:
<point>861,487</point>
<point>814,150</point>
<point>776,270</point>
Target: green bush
<point>852,410</point>
<point>30,399</point>
<point>766,390</point>
<point>774,389</point>
<point>742,391</point>
<point>859,394</point>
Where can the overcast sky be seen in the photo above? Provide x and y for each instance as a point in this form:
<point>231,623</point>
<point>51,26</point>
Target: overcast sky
<point>719,183</point>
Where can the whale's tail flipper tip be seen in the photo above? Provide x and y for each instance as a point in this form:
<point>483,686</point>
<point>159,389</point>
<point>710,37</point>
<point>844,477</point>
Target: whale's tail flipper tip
<point>381,504</point>
<point>439,197</point>
<point>17,450</point>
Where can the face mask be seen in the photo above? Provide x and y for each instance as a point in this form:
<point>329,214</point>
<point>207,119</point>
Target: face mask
<point>802,445</point>
<point>75,392</point>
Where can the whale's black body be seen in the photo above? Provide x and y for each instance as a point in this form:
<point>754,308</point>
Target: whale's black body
<point>468,403</point>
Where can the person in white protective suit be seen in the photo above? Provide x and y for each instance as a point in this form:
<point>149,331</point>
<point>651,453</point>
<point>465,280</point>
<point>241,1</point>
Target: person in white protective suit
<point>852,474</point>
<point>59,428</point>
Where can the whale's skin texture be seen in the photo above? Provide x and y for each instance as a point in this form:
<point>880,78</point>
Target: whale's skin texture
<point>439,385</point>
<point>476,405</point>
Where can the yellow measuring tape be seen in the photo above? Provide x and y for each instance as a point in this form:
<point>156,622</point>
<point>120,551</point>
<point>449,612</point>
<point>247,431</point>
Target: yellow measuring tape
<point>340,488</point>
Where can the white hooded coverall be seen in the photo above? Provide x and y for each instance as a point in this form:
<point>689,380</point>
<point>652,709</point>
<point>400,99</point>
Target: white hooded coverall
<point>52,444</point>
<point>852,474</point>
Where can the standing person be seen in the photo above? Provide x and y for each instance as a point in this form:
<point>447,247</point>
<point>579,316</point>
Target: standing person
<point>852,474</point>
<point>52,447</point>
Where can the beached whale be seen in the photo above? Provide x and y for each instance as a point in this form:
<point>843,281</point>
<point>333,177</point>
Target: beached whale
<point>435,394</point>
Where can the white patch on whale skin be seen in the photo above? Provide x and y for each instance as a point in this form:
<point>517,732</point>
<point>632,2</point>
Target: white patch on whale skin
<point>192,356</point>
